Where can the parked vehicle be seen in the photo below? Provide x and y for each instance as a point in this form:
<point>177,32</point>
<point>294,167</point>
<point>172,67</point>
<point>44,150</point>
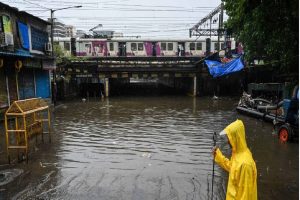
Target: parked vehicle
<point>284,114</point>
<point>288,130</point>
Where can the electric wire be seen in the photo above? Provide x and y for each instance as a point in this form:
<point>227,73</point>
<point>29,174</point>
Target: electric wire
<point>131,23</point>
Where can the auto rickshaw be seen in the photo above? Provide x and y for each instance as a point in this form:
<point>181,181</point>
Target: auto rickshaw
<point>288,129</point>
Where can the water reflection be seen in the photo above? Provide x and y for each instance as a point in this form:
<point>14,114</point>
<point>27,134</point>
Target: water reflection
<point>152,148</point>
<point>156,148</point>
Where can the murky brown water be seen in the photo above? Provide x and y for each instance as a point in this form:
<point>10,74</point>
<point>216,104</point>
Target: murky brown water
<point>148,148</point>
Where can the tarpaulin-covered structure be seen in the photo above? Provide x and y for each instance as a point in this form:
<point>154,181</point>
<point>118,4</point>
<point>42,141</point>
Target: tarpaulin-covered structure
<point>217,68</point>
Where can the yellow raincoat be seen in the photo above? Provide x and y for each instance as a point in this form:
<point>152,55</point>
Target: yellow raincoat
<point>241,166</point>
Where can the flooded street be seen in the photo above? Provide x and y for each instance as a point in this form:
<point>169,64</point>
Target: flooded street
<point>146,148</point>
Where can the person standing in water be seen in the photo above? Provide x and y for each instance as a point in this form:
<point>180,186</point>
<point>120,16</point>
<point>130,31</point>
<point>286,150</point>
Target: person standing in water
<point>242,181</point>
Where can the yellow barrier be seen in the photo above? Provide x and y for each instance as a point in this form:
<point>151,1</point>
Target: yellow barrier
<point>24,119</point>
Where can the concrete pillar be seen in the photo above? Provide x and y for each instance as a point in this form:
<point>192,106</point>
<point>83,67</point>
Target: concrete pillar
<point>106,87</point>
<point>100,89</point>
<point>195,86</point>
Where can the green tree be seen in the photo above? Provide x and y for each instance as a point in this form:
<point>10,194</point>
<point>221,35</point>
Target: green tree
<point>267,28</point>
<point>58,53</point>
<point>62,58</point>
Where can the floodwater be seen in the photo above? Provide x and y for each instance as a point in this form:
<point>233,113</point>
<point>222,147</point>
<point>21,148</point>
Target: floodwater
<point>146,148</point>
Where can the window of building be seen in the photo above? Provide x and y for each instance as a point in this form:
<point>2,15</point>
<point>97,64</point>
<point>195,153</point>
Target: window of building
<point>6,24</point>
<point>67,46</point>
<point>170,46</point>
<point>111,46</point>
<point>133,47</point>
<point>6,27</point>
<point>163,46</point>
<point>192,46</point>
<point>140,46</point>
<point>199,46</point>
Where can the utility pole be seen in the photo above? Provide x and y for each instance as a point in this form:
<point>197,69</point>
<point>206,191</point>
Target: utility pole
<point>210,27</point>
<point>51,33</point>
<point>220,23</point>
<point>54,89</point>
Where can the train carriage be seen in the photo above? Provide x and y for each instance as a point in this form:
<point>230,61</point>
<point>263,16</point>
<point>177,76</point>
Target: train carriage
<point>94,47</point>
<point>195,48</point>
<point>91,48</point>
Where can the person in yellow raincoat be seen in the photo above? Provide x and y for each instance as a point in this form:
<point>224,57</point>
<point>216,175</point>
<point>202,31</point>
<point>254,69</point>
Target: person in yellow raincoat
<point>242,181</point>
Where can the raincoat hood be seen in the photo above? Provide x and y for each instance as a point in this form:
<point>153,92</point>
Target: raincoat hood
<point>236,135</point>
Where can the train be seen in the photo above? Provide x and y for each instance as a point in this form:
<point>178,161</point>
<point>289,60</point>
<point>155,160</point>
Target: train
<point>138,47</point>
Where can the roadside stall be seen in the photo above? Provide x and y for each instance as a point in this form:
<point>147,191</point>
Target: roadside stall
<point>23,120</point>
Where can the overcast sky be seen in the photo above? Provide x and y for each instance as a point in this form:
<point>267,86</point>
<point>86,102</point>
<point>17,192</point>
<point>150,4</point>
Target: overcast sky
<point>153,18</point>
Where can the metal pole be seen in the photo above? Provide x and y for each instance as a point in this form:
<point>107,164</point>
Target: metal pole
<point>210,28</point>
<point>17,84</point>
<point>52,54</point>
<point>51,18</point>
<point>220,25</point>
<point>213,173</point>
<point>219,33</point>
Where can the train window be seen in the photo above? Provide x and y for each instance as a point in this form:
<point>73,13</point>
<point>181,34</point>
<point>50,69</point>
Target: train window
<point>192,46</point>
<point>88,48</point>
<point>199,46</point>
<point>163,46</point>
<point>216,46</point>
<point>222,45</point>
<point>140,46</point>
<point>133,47</point>
<point>111,46</point>
<point>67,46</point>
<point>170,46</point>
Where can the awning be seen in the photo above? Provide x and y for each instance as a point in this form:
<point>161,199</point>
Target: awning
<point>17,53</point>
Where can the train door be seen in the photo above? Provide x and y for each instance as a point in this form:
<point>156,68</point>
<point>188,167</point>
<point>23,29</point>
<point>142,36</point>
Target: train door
<point>154,53</point>
<point>181,49</point>
<point>122,48</point>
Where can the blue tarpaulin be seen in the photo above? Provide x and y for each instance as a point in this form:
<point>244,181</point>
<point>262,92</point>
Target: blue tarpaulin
<point>217,69</point>
<point>23,32</point>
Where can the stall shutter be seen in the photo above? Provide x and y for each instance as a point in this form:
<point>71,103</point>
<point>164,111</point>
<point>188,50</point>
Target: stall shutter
<point>42,84</point>
<point>26,84</point>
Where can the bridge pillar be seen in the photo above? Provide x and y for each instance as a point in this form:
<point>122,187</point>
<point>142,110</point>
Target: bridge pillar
<point>106,87</point>
<point>195,86</point>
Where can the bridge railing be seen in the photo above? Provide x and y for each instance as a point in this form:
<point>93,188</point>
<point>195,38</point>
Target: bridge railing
<point>144,60</point>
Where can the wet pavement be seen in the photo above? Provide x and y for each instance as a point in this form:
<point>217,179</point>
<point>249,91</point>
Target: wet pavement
<point>146,148</point>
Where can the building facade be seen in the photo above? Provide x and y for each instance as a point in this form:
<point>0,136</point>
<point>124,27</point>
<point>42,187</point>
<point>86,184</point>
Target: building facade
<point>70,31</point>
<point>59,29</point>
<point>25,61</point>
